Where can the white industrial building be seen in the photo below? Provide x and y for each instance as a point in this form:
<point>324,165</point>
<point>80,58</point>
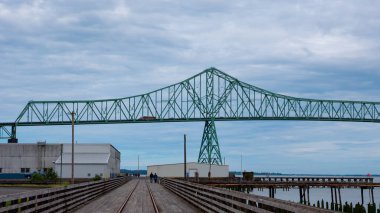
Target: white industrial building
<point>177,170</point>
<point>89,159</point>
<point>27,157</point>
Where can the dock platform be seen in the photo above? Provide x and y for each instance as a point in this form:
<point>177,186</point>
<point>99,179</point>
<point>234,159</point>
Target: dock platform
<point>127,194</point>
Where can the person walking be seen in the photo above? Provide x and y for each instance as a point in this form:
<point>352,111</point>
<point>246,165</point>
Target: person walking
<point>151,177</point>
<point>155,177</point>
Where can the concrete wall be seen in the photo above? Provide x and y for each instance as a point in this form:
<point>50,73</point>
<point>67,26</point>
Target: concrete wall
<point>13,157</point>
<point>114,162</point>
<point>177,170</point>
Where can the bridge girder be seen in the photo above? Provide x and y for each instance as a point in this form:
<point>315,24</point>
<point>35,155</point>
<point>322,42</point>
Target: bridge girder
<point>211,95</point>
<point>5,133</point>
<point>8,131</point>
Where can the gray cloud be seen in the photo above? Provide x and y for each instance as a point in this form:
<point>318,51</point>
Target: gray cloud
<point>89,50</point>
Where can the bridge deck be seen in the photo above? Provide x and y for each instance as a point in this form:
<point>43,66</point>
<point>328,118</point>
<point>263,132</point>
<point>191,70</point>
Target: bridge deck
<point>139,200</point>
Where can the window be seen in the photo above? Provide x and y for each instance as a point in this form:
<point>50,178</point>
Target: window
<point>1,170</point>
<point>89,174</point>
<point>25,170</point>
<point>101,174</point>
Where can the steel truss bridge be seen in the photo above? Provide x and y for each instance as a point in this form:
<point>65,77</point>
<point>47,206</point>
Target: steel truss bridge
<point>209,96</point>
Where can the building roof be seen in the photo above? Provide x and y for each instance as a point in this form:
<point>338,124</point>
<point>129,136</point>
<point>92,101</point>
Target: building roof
<point>84,158</point>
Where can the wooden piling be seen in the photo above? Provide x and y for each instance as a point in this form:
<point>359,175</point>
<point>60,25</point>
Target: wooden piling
<point>361,189</point>
<point>340,197</point>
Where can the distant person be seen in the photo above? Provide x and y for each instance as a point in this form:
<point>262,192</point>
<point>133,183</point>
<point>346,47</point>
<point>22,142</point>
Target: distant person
<point>151,177</point>
<point>155,177</point>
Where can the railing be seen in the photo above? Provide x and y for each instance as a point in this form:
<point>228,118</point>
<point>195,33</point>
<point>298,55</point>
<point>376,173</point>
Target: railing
<point>58,199</point>
<point>286,179</point>
<point>211,199</point>
<point>316,179</point>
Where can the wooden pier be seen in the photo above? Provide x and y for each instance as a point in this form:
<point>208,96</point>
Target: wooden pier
<point>139,195</point>
<point>213,199</point>
<point>135,196</point>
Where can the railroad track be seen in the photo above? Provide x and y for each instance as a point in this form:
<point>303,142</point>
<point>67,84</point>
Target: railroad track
<point>122,207</point>
<point>152,197</point>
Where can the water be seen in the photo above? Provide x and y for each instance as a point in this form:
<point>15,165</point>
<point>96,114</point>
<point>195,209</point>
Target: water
<point>348,194</point>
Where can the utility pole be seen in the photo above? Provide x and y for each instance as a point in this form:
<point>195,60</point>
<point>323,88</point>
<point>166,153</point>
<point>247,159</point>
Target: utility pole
<point>72,147</point>
<point>138,166</point>
<point>61,163</point>
<point>241,165</point>
<point>184,157</point>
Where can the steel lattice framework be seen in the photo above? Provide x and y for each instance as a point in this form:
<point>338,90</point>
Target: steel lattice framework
<point>209,96</point>
<point>4,132</point>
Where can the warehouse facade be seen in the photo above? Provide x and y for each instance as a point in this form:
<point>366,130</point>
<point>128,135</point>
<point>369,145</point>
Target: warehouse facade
<point>89,159</point>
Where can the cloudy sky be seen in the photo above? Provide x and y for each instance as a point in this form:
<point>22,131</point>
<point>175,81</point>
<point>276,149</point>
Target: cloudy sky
<point>55,50</point>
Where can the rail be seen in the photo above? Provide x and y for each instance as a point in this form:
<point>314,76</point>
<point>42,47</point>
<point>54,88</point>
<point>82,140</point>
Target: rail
<point>122,207</point>
<point>152,198</point>
<point>60,199</point>
<point>155,208</point>
<point>211,199</point>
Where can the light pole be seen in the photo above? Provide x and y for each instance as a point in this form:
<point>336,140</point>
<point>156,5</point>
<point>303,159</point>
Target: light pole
<point>72,147</point>
<point>184,157</point>
<point>61,163</point>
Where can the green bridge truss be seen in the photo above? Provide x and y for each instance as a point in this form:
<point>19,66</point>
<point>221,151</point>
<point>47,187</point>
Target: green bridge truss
<point>209,96</point>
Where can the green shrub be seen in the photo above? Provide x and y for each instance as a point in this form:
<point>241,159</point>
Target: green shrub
<point>97,177</point>
<point>37,177</point>
<point>51,175</point>
<point>65,183</point>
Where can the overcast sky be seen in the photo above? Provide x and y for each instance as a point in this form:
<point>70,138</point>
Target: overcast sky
<point>55,50</point>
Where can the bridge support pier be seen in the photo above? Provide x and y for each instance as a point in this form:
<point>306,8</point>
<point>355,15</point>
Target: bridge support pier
<point>13,138</point>
<point>209,152</point>
<point>8,131</point>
